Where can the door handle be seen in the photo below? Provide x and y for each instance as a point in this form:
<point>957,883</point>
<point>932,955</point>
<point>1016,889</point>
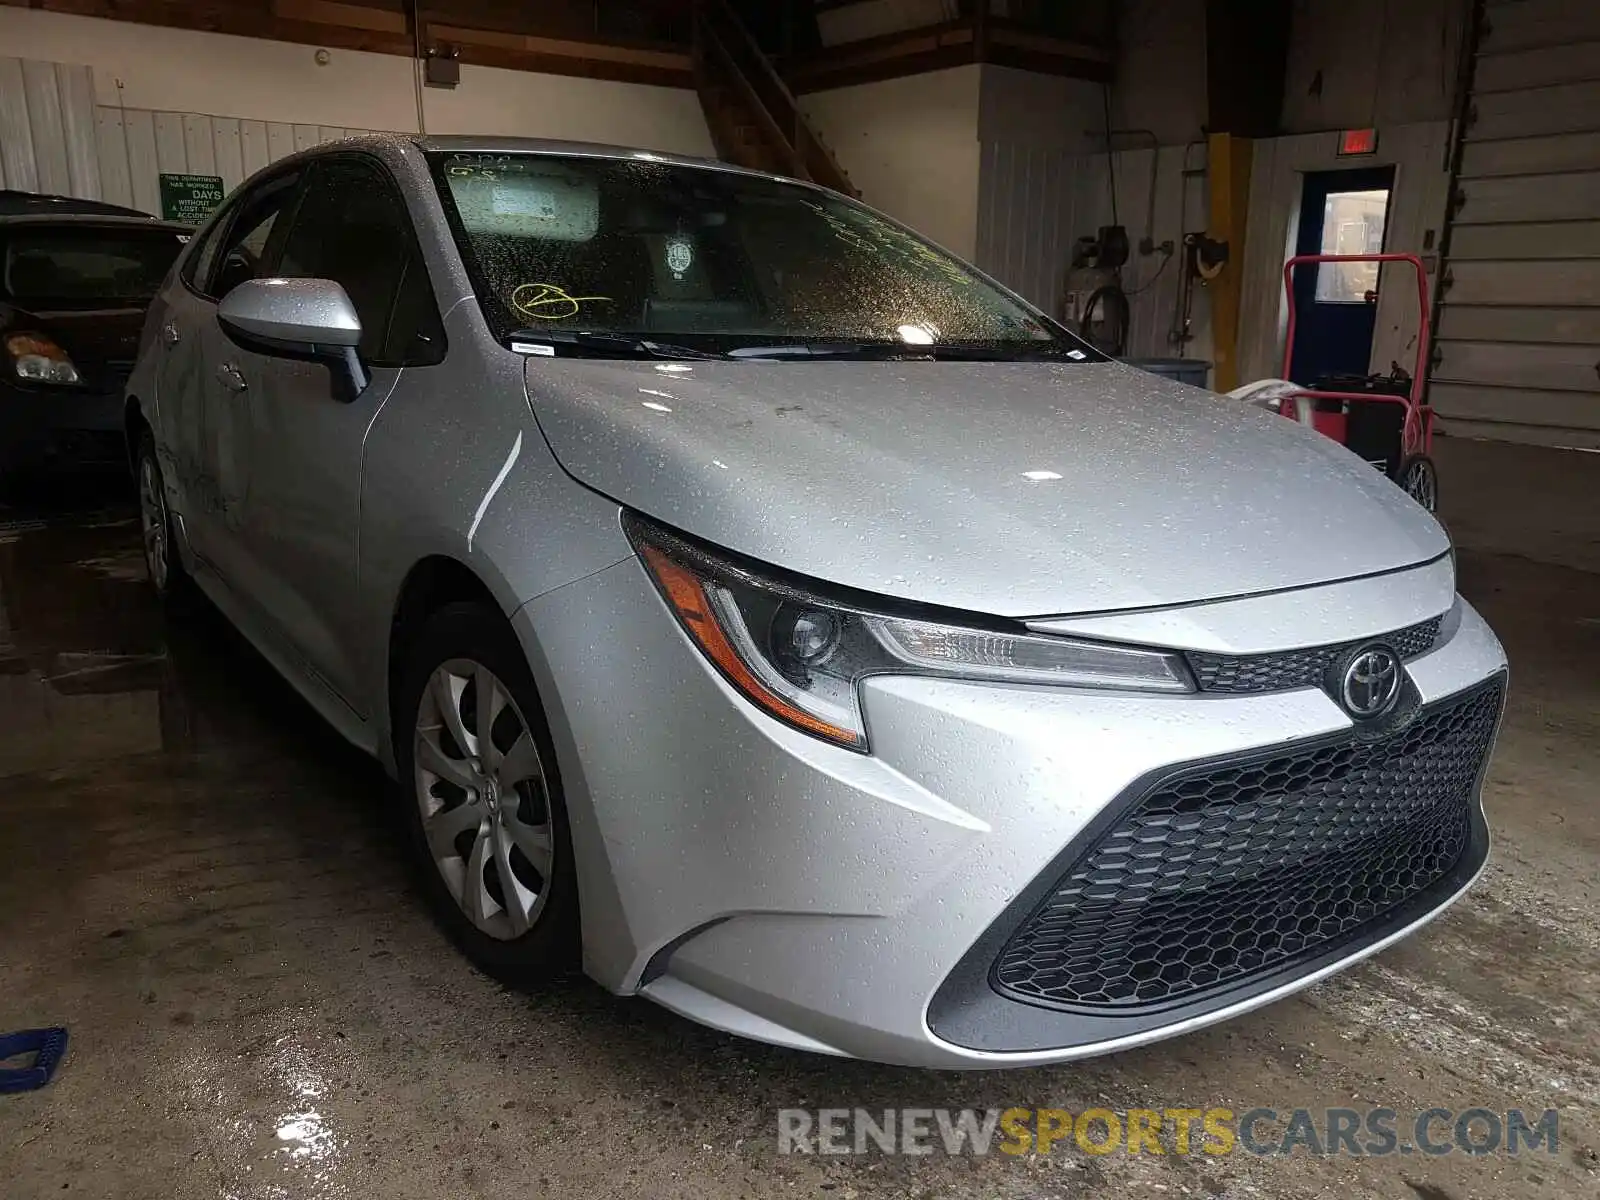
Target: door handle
<point>232,378</point>
<point>170,335</point>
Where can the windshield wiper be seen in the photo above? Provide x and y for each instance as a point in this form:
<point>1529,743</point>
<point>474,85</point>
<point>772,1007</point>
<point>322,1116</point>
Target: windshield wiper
<point>905,352</point>
<point>608,345</point>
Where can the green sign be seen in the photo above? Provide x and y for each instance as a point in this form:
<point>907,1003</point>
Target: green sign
<point>190,198</point>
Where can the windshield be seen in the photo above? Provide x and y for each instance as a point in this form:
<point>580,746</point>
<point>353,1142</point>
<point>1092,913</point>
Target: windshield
<point>87,263</point>
<point>715,261</point>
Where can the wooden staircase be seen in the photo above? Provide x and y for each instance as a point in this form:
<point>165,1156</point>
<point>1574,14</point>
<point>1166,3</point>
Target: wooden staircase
<point>753,117</point>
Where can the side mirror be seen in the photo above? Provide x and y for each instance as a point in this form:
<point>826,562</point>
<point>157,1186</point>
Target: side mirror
<point>307,319</point>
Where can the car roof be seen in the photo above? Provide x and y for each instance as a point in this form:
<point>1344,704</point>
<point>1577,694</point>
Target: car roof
<point>470,144</point>
<point>91,221</point>
<point>478,144</point>
<point>14,202</point>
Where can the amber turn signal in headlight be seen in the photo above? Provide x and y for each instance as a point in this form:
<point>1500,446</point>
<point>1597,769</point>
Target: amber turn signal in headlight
<point>802,657</point>
<point>37,359</point>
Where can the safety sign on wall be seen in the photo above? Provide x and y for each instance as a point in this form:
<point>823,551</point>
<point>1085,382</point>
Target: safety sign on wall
<point>190,198</point>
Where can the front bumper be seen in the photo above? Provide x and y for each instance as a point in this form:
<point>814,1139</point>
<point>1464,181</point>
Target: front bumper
<point>48,430</point>
<point>758,880</point>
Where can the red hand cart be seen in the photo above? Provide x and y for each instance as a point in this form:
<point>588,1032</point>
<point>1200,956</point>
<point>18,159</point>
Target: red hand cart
<point>1401,447</point>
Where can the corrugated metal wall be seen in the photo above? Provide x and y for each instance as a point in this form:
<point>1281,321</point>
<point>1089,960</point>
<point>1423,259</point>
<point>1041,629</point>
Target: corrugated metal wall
<point>136,147</point>
<point>55,138</point>
<point>47,128</point>
<point>1035,201</point>
<point>1518,350</point>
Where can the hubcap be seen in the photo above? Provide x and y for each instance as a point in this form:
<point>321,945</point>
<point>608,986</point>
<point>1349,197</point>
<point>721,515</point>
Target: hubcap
<point>484,799</point>
<point>1419,484</point>
<point>153,523</point>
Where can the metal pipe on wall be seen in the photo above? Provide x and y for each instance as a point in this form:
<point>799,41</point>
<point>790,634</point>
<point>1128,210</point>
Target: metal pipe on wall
<point>417,58</point>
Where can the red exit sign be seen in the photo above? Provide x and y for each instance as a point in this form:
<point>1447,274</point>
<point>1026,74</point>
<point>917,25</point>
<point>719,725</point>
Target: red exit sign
<point>1358,141</point>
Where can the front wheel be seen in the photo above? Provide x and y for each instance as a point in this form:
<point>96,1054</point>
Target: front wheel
<point>483,801</point>
<point>1419,479</point>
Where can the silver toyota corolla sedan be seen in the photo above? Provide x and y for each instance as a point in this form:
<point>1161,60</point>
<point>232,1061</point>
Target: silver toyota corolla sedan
<point>756,600</point>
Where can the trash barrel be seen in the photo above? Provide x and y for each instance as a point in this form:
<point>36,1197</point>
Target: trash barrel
<point>1184,370</point>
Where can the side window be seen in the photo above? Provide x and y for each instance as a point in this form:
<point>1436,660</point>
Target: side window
<point>352,227</point>
<point>241,252</point>
<point>202,253</point>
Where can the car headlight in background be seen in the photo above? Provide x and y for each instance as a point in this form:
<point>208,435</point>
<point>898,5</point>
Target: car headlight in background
<point>37,359</point>
<point>801,656</point>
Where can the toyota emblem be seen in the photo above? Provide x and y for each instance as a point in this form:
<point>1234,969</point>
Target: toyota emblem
<point>1371,683</point>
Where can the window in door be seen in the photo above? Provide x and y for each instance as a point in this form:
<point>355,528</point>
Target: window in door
<point>352,227</point>
<point>243,253</point>
<point>1352,223</point>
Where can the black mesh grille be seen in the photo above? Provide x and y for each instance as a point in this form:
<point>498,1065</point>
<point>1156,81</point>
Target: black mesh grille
<point>1227,871</point>
<point>1297,668</point>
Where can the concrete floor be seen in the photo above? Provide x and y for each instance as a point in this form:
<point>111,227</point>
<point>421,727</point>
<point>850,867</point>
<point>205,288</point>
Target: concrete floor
<point>204,884</point>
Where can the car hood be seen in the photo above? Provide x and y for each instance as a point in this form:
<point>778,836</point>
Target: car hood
<point>1018,489</point>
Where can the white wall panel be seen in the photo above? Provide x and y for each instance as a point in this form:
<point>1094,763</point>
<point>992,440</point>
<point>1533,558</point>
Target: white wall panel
<point>79,129</point>
<point>1563,197</point>
<point>227,151</point>
<point>1045,181</point>
<point>162,69</point>
<point>280,140</point>
<point>911,145</point>
<point>1530,23</point>
<point>1354,63</point>
<point>172,149</point>
<point>48,135</point>
<point>111,146</point>
<point>255,151</point>
<point>140,130</point>
<point>1497,322</point>
<point>1035,202</point>
<point>17,167</point>
<point>1568,108</point>
<point>42,95</point>
<point>1518,352</point>
<point>1572,62</point>
<point>1538,239</point>
<point>1555,282</point>
<point>199,146</point>
<point>1160,69</point>
<point>54,138</point>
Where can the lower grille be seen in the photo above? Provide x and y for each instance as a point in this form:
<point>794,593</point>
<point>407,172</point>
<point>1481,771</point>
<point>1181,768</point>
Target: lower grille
<point>1229,870</point>
<point>1298,668</point>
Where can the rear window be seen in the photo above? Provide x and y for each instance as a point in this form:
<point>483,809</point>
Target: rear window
<point>87,264</point>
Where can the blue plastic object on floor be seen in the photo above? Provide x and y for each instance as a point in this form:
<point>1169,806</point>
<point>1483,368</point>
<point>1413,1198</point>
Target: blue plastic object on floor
<point>48,1046</point>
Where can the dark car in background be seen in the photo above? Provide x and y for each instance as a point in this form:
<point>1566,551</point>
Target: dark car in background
<point>76,277</point>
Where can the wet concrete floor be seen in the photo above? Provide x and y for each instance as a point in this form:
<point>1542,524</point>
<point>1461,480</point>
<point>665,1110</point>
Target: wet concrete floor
<point>205,885</point>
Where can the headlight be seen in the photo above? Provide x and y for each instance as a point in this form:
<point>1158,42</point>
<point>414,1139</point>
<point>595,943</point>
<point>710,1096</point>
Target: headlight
<point>801,656</point>
<point>37,359</point>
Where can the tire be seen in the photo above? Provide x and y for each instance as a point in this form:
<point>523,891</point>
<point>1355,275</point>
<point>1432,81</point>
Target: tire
<point>1419,479</point>
<point>483,820</point>
<point>162,561</point>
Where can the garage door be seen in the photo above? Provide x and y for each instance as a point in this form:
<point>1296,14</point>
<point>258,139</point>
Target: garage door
<point>1517,355</point>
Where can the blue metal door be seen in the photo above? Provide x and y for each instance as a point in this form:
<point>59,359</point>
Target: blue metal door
<point>1336,304</point>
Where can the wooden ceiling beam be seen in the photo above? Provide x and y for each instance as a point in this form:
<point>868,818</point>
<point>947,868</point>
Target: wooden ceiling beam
<point>949,44</point>
<point>383,28</point>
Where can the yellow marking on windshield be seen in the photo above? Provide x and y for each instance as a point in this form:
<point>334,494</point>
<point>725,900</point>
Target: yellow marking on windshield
<point>547,302</point>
